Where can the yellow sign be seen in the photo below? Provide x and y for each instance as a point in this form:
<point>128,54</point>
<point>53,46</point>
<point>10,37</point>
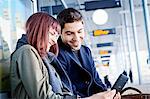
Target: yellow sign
<point>103,52</point>
<point>100,32</point>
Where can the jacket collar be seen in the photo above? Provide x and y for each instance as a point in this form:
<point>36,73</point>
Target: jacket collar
<point>62,45</point>
<point>22,41</point>
<point>68,50</point>
<point>73,56</point>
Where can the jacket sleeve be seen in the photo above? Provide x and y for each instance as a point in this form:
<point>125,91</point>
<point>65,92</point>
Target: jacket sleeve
<point>65,63</point>
<point>95,73</point>
<point>34,76</point>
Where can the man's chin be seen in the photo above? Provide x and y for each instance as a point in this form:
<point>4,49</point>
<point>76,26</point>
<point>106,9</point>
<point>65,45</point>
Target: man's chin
<point>76,48</point>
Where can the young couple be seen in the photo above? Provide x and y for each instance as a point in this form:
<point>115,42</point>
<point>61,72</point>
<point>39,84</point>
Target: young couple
<point>42,70</point>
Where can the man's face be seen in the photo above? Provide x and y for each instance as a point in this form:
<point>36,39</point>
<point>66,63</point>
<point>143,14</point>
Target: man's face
<point>73,34</point>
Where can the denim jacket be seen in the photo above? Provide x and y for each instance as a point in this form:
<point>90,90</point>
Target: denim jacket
<point>81,70</point>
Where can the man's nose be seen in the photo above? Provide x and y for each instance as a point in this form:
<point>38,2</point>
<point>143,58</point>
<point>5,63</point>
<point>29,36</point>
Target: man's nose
<point>76,37</point>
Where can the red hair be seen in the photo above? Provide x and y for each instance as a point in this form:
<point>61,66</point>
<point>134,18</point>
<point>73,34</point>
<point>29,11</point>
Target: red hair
<point>37,27</point>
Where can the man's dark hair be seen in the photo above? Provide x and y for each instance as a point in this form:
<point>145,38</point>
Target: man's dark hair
<point>69,15</point>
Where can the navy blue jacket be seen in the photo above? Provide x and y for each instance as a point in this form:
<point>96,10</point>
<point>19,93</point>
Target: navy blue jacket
<point>82,74</point>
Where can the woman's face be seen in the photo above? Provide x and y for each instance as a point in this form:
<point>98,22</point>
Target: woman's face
<point>53,37</point>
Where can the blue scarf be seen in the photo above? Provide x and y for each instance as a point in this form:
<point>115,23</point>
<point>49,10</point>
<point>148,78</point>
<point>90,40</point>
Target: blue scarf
<point>54,78</point>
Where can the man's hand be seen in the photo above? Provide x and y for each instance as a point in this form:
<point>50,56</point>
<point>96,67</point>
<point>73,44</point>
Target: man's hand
<point>106,95</point>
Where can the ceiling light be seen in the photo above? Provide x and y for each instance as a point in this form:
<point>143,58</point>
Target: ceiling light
<point>100,17</point>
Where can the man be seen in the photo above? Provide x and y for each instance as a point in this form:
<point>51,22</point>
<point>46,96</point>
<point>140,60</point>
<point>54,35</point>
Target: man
<point>76,58</point>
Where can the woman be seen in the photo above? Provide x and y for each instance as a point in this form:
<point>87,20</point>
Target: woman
<point>32,73</point>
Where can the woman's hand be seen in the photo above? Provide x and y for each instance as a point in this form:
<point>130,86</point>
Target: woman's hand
<point>106,95</point>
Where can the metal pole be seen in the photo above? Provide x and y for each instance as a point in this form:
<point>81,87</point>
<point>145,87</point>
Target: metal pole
<point>127,39</point>
<point>64,3</point>
<point>135,38</point>
<point>147,24</point>
<point>123,50</point>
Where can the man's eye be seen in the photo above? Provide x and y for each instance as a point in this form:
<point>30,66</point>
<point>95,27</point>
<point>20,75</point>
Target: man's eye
<point>68,33</point>
<point>80,32</point>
